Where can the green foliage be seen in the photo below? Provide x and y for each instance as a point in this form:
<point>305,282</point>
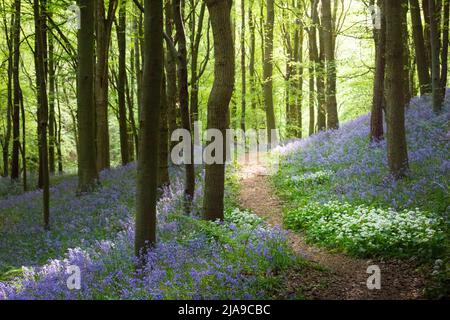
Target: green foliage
<point>369,231</point>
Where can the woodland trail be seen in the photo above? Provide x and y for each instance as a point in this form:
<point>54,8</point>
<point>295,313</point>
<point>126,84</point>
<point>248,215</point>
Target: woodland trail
<point>337,276</point>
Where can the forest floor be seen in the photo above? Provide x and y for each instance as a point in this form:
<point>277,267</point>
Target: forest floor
<point>330,275</point>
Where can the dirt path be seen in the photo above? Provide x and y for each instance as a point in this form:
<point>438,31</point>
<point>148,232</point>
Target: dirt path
<point>344,277</point>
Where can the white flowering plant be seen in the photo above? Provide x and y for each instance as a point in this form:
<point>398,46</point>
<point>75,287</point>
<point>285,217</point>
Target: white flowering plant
<point>368,231</point>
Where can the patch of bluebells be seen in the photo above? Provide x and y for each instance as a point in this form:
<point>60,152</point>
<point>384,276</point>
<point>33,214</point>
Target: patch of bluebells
<point>360,170</point>
<point>193,259</point>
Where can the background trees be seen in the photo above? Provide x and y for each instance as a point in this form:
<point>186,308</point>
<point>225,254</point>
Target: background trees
<point>295,57</point>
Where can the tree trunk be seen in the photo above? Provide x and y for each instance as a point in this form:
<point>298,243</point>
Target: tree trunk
<point>59,132</point>
<point>426,33</point>
<point>435,63</point>
<point>121,83</point>
<point>183,94</point>
<point>163,170</point>
<point>313,58</point>
<point>51,96</point>
<point>145,235</point>
<point>320,72</point>
<point>407,64</point>
<point>9,33</point>
<point>268,71</point>
<point>195,45</point>
<point>87,166</point>
<point>445,43</point>
<point>376,117</point>
<point>218,104</point>
<point>243,67</point>
<point>171,75</point>
<point>103,39</point>
<point>419,44</point>
<point>16,94</point>
<point>395,109</point>
<point>299,81</point>
<point>251,66</point>
<point>328,39</point>
<point>40,47</point>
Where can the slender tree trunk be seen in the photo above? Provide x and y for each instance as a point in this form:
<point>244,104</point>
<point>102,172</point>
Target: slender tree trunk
<point>407,57</point>
<point>320,72</point>
<point>426,33</point>
<point>328,39</point>
<point>121,83</point>
<point>103,38</point>
<point>419,45</point>
<point>251,66</point>
<point>445,44</point>
<point>171,74</point>
<point>435,65</point>
<point>87,166</point>
<point>59,131</point>
<point>9,33</point>
<point>395,110</point>
<point>313,58</point>
<point>243,67</point>
<point>299,80</point>
<point>163,161</point>
<point>376,118</point>
<point>145,235</point>
<point>51,96</point>
<point>24,145</point>
<point>138,65</point>
<point>268,71</point>
<point>218,104</point>
<point>183,94</point>
<point>40,47</point>
<point>195,45</point>
<point>16,94</point>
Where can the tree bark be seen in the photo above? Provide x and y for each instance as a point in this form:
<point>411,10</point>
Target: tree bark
<point>320,72</point>
<point>376,117</point>
<point>218,104</point>
<point>183,93</point>
<point>268,71</point>
<point>104,24</point>
<point>51,97</point>
<point>9,35</point>
<point>328,39</point>
<point>395,109</point>
<point>195,45</point>
<point>147,175</point>
<point>16,94</point>
<point>419,45</point>
<point>171,74</point>
<point>87,166</point>
<point>42,98</point>
<point>163,170</point>
<point>445,44</point>
<point>435,63</point>
<point>243,67</point>
<point>121,83</point>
